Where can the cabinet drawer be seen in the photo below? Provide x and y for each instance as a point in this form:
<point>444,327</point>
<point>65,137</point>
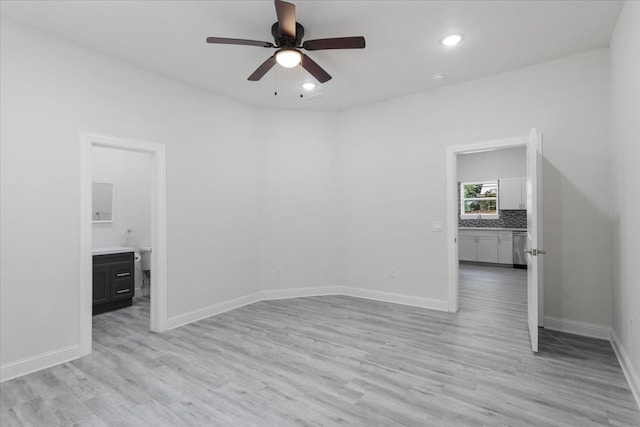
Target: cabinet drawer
<point>113,258</point>
<point>466,233</point>
<point>478,233</point>
<point>122,289</point>
<point>486,233</point>
<point>121,271</point>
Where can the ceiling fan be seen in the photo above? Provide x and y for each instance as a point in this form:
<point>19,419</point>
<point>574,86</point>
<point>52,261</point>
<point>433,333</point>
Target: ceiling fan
<point>288,34</point>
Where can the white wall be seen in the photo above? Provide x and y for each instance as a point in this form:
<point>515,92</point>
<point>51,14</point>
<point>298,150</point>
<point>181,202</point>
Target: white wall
<point>130,172</point>
<point>625,155</point>
<point>490,165</point>
<point>393,171</point>
<point>50,90</point>
<point>298,200</point>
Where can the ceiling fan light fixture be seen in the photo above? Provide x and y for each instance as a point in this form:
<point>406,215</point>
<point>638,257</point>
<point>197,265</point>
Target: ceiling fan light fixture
<point>451,40</point>
<point>288,58</point>
<point>309,86</point>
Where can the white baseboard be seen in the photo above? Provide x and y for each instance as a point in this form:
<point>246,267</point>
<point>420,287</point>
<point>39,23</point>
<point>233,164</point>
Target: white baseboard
<point>299,292</point>
<point>41,361</point>
<point>274,294</point>
<point>212,310</point>
<point>578,328</point>
<point>433,304</point>
<point>627,367</point>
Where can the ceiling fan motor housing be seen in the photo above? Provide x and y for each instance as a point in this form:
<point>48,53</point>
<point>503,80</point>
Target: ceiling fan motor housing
<point>282,41</point>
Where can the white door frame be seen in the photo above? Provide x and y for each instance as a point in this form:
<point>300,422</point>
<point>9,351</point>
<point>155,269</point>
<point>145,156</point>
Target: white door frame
<point>452,209</point>
<point>158,319</point>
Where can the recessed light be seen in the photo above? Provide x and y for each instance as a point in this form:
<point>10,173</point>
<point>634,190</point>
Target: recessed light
<point>451,40</point>
<point>308,86</point>
<point>438,76</point>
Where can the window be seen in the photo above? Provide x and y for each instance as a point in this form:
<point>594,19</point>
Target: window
<point>479,198</point>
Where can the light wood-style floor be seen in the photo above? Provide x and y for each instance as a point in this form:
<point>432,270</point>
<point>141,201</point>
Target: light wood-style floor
<point>334,360</point>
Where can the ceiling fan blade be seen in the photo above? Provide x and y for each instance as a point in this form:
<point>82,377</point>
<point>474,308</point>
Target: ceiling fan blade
<point>262,70</point>
<point>314,69</point>
<point>286,18</point>
<point>223,40</point>
<point>335,43</point>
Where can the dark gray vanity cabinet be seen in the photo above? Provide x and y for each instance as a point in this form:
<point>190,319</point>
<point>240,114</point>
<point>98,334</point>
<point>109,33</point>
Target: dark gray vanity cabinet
<point>113,284</point>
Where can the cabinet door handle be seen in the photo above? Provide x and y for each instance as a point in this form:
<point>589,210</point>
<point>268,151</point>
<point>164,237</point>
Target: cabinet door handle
<point>123,274</point>
<point>123,291</point>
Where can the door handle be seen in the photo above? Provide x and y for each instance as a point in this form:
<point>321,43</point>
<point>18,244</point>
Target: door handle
<point>535,252</point>
<point>123,274</point>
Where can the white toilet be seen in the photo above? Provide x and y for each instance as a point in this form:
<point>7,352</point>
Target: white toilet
<point>145,254</point>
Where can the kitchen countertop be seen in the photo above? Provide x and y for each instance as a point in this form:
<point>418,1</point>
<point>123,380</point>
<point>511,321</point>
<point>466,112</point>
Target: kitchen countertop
<point>492,228</point>
<point>111,250</point>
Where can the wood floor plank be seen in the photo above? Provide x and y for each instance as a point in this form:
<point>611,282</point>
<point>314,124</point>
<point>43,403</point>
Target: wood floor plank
<point>334,360</point>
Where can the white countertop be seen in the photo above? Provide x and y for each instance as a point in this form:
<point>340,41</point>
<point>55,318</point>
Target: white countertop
<point>111,250</point>
<point>492,228</point>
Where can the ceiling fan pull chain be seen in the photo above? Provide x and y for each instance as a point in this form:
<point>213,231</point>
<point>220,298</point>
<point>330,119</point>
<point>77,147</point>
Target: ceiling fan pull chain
<point>275,82</point>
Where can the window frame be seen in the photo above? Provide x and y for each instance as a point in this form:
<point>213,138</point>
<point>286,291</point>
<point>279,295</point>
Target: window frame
<point>464,215</point>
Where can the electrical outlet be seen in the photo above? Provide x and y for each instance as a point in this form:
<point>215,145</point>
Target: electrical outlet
<point>436,226</point>
<point>392,272</point>
<point>279,271</point>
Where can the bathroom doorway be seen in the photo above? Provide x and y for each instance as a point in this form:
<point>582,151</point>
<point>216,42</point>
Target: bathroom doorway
<point>135,195</point>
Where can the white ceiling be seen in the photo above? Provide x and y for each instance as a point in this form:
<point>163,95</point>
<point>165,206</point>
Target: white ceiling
<point>403,50</point>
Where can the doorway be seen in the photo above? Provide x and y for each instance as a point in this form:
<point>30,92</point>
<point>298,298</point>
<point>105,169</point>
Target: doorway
<point>158,298</point>
<point>533,144</point>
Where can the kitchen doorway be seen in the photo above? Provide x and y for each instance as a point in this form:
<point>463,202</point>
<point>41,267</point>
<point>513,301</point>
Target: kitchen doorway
<point>463,244</point>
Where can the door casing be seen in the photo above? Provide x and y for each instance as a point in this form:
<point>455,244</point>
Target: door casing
<point>158,320</point>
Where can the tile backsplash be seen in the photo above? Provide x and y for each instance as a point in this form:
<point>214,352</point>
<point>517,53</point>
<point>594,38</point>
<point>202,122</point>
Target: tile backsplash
<point>508,219</point>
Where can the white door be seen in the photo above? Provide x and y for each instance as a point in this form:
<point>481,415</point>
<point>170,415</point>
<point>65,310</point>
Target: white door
<point>534,231</point>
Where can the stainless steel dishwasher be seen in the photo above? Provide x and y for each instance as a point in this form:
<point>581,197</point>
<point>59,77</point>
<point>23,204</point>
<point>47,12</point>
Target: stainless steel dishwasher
<point>519,245</point>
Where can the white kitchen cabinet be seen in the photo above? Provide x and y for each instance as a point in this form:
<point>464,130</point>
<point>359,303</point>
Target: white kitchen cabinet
<point>467,248</point>
<point>505,247</point>
<point>487,249</point>
<point>478,245</point>
<point>512,193</point>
